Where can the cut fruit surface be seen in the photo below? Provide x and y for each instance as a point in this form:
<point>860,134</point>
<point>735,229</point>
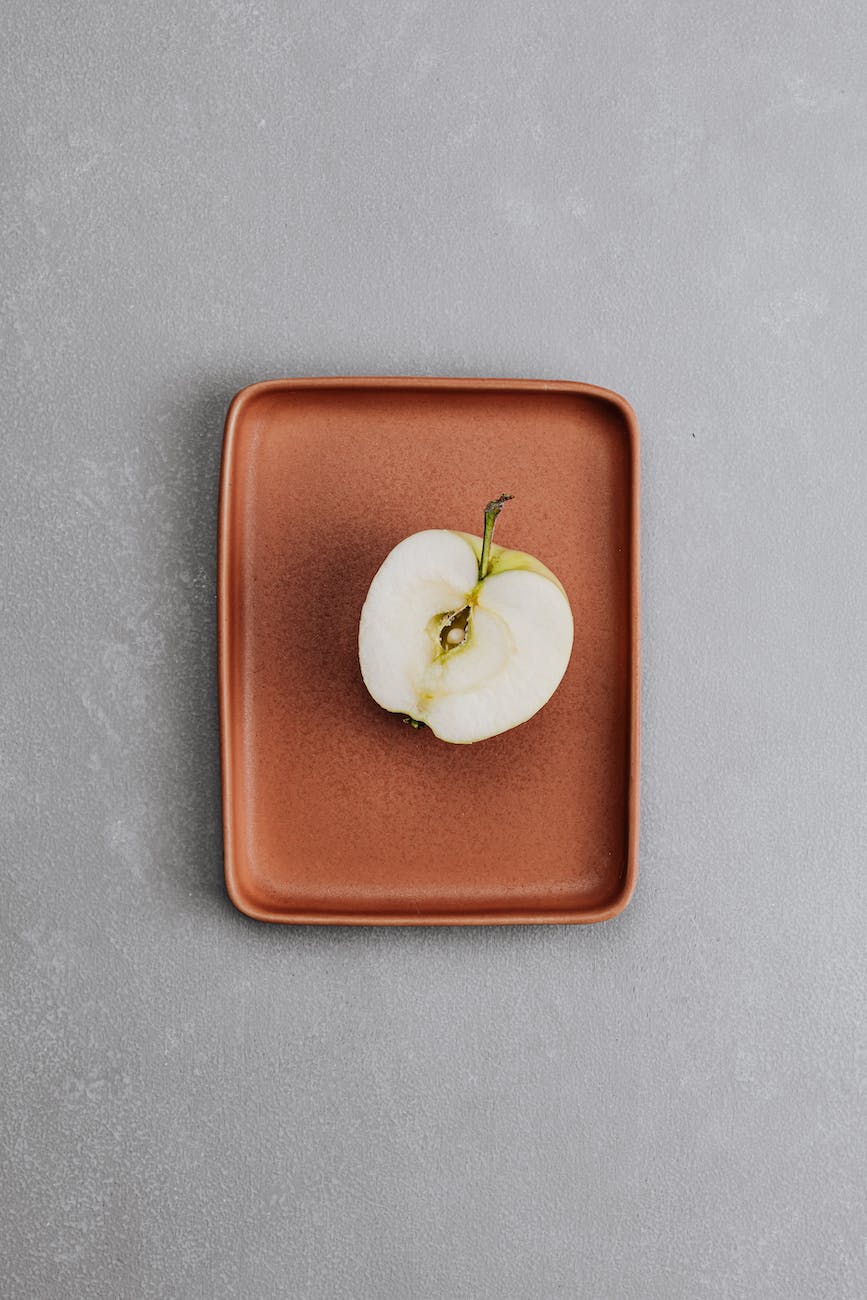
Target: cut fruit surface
<point>469,654</point>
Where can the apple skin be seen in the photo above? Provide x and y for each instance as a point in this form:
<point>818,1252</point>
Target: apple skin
<point>519,634</point>
<point>505,561</point>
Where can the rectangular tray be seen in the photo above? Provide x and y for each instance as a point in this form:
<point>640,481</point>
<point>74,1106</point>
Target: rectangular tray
<point>334,812</point>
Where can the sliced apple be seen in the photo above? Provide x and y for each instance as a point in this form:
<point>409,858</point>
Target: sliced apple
<point>462,635</point>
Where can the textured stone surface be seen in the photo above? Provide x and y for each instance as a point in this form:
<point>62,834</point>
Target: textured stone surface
<point>667,200</point>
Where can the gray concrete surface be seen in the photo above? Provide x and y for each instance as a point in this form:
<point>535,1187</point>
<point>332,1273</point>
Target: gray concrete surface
<point>665,199</point>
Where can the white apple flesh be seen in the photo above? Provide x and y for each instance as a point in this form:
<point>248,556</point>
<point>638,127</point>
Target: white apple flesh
<point>464,636</point>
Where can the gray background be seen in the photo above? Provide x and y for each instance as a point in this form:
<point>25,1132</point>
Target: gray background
<point>666,199</point>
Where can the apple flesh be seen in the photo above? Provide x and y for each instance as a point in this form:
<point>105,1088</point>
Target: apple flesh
<point>462,635</point>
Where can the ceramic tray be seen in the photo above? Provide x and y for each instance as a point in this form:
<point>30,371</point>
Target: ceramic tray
<point>336,811</point>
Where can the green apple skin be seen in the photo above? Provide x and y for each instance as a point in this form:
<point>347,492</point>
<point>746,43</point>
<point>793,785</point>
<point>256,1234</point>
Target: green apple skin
<point>504,561</point>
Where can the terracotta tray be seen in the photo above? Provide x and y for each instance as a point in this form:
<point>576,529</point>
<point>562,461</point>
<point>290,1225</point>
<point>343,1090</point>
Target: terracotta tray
<point>335,811</point>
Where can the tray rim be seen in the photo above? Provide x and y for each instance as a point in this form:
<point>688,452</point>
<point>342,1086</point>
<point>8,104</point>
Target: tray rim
<point>443,383</point>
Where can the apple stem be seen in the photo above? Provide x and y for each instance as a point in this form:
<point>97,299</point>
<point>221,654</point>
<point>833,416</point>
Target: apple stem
<point>492,509</point>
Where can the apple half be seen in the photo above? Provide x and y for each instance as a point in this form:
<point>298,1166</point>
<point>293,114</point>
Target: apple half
<point>463,636</point>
